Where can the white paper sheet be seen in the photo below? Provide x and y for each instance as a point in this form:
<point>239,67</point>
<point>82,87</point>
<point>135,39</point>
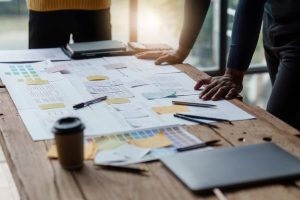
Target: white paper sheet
<point>32,55</point>
<point>224,109</point>
<point>113,91</point>
<point>136,66</point>
<point>40,122</point>
<point>122,155</point>
<point>89,67</point>
<point>57,90</point>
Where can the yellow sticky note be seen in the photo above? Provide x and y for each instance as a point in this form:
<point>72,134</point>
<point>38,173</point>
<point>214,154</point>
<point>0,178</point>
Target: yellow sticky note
<point>170,109</point>
<point>36,82</point>
<point>51,106</point>
<point>52,153</point>
<point>90,150</point>
<point>157,141</point>
<point>105,143</point>
<point>97,78</point>
<point>117,101</point>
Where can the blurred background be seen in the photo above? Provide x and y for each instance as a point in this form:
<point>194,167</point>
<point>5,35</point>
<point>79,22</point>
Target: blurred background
<point>159,22</point>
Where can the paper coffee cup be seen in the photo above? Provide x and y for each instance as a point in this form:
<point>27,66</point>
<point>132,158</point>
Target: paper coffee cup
<point>68,133</point>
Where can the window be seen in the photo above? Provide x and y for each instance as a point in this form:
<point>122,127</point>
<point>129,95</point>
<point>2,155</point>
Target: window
<point>120,19</point>
<point>161,21</point>
<point>14,28</point>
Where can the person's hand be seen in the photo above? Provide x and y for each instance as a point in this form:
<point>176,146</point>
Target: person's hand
<point>227,86</point>
<point>170,57</point>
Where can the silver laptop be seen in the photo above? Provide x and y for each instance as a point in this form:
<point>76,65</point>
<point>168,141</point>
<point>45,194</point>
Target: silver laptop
<point>236,166</point>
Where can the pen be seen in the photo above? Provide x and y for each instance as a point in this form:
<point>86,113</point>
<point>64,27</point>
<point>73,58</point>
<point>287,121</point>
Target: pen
<point>196,121</point>
<point>197,146</point>
<point>134,169</point>
<point>87,103</point>
<point>206,118</point>
<point>204,105</point>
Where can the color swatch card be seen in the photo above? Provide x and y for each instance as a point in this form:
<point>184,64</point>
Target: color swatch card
<point>157,143</point>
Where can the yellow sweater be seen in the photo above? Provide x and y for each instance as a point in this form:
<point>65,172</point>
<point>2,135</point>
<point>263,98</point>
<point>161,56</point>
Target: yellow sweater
<point>54,5</point>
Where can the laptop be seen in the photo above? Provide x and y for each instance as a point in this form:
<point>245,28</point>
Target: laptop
<point>95,49</point>
<point>231,167</point>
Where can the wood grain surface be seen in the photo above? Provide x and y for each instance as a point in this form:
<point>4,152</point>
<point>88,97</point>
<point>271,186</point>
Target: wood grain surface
<point>37,177</point>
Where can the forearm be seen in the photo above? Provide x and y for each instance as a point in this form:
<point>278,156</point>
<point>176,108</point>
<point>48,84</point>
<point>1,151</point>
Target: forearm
<point>245,33</point>
<point>194,16</point>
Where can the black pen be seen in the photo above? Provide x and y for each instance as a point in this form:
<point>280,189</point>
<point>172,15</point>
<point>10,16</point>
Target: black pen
<point>197,146</point>
<point>87,103</point>
<point>204,105</point>
<point>196,121</point>
<point>205,118</point>
<point>128,168</point>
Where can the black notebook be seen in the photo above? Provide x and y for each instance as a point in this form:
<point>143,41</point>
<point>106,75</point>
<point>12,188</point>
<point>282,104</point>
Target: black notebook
<point>228,167</point>
<point>95,49</point>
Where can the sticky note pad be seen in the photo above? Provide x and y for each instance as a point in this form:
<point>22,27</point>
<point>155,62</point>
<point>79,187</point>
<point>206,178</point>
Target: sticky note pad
<point>90,150</point>
<point>157,141</point>
<point>117,101</point>
<point>170,109</point>
<point>52,152</point>
<point>36,82</point>
<point>96,78</point>
<point>51,106</point>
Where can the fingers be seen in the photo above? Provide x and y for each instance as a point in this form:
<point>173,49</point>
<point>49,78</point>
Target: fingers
<point>202,82</point>
<point>210,92</point>
<point>208,88</point>
<point>168,58</point>
<point>221,93</point>
<point>162,59</point>
<point>232,93</point>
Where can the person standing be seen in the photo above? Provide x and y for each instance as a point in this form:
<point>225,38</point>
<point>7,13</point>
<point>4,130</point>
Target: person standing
<point>51,22</point>
<point>281,31</point>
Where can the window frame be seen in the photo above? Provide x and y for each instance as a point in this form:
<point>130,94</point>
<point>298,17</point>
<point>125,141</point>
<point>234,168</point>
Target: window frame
<point>222,51</point>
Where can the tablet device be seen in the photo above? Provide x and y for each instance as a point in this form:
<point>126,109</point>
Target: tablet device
<point>236,166</point>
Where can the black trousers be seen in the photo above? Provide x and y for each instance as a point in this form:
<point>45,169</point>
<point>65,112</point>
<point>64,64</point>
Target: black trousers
<point>282,51</point>
<point>53,28</point>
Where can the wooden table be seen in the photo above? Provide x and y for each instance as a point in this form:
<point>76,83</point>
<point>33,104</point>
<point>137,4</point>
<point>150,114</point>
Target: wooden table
<point>39,178</point>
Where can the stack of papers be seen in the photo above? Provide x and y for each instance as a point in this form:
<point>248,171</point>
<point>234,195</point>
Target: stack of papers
<point>140,95</point>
